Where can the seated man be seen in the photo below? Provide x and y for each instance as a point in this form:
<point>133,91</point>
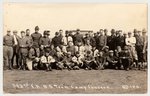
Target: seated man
<point>47,60</point>
<point>78,60</point>
<point>112,60</point>
<point>67,61</point>
<point>33,60</point>
<point>100,60</point>
<point>89,61</point>
<point>125,58</point>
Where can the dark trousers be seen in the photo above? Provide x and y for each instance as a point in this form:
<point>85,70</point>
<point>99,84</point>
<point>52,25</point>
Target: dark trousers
<point>139,49</point>
<point>15,54</point>
<point>126,63</point>
<point>23,53</point>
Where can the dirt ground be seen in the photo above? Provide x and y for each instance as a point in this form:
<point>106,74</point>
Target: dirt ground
<point>75,81</point>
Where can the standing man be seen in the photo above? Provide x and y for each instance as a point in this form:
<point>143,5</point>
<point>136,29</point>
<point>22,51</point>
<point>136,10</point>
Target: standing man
<point>8,42</point>
<point>66,39</point>
<point>120,39</point>
<point>36,37</point>
<point>57,41</point>
<point>45,42</point>
<point>78,37</point>
<point>15,49</point>
<point>23,50</point>
<point>145,41</point>
<point>130,42</point>
<point>112,40</point>
<point>101,41</point>
<point>29,37</point>
<point>139,46</point>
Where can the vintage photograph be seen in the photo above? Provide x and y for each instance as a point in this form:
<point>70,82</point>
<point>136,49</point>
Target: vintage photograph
<point>74,48</point>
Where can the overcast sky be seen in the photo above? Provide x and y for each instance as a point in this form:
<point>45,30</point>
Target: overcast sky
<point>72,16</point>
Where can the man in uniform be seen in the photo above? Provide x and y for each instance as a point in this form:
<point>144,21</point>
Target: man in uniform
<point>112,40</point>
<point>36,37</point>
<point>57,41</point>
<point>45,41</point>
<point>120,39</point>
<point>8,42</point>
<point>23,50</point>
<point>29,37</point>
<point>139,46</point>
<point>101,41</point>
<point>78,37</point>
<point>15,49</point>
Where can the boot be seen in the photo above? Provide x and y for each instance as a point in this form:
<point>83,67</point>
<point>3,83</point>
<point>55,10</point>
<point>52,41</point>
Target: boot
<point>10,65</point>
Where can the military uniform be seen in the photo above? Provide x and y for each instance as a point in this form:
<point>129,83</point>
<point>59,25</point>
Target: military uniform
<point>120,41</point>
<point>8,42</point>
<point>45,42</point>
<point>36,37</point>
<point>56,41</point>
<point>23,51</point>
<point>101,42</point>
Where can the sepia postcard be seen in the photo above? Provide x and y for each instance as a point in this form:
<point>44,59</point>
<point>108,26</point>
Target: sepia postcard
<point>75,48</point>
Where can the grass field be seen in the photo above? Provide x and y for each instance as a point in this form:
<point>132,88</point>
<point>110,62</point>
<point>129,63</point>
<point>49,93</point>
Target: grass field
<point>75,81</point>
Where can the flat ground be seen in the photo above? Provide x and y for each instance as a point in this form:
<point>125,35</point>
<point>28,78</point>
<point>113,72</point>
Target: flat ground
<point>75,81</point>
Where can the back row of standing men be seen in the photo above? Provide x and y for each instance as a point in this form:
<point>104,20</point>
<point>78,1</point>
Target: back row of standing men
<point>35,45</point>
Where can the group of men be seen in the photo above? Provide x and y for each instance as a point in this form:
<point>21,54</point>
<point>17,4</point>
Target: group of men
<point>75,51</point>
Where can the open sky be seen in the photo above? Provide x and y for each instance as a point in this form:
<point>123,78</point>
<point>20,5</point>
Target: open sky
<point>20,16</point>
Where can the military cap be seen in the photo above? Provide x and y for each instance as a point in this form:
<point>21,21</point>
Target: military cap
<point>112,30</point>
<point>129,33</point>
<point>66,31</point>
<point>36,27</point>
<point>111,51</point>
<point>78,29</point>
<point>8,31</point>
<point>15,31</point>
<point>48,32</point>
<point>105,30</point>
<point>60,30</point>
<point>125,33</point>
<point>22,31</point>
<point>143,31</point>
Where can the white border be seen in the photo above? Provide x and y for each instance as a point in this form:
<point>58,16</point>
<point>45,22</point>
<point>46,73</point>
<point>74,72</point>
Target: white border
<point>64,1</point>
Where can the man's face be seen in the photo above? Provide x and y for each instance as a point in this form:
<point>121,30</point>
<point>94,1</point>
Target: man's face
<point>112,54</point>
<point>61,32</point>
<point>8,33</point>
<point>79,43</point>
<point>15,33</point>
<point>22,34</point>
<point>129,34</point>
<point>28,32</point>
<point>120,33</point>
<point>70,44</point>
<point>36,31</point>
